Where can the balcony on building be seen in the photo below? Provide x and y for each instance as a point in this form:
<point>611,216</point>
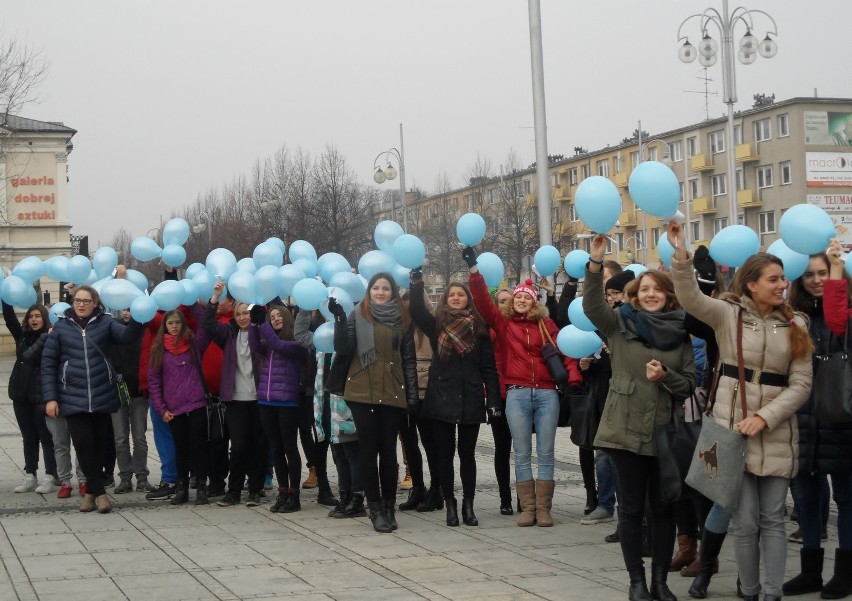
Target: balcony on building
<point>621,179</point>
<point>703,162</point>
<point>561,193</point>
<point>747,153</point>
<point>703,206</point>
<point>627,218</point>
<point>748,198</point>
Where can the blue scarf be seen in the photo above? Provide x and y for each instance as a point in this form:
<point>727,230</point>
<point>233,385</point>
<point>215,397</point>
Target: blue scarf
<point>664,331</point>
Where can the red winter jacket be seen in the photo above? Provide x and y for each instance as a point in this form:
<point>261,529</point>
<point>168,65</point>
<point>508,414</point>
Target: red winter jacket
<point>520,343</point>
<point>835,305</point>
<point>152,328</point>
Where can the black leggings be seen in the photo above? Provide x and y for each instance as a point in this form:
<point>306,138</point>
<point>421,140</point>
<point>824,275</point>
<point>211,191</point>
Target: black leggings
<point>411,449</point>
<point>192,449</point>
<point>691,514</point>
<point>31,422</point>
<point>587,468</point>
<point>306,434</point>
<point>90,433</point>
<point>502,452</point>
<point>445,445</point>
<point>377,427</point>
<point>637,477</point>
<point>248,446</point>
<point>281,425</point>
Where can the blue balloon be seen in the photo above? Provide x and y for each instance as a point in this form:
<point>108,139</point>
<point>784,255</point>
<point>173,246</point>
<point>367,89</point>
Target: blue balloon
<point>795,264</point>
<point>575,263</point>
<point>190,296</point>
<point>578,316</point>
<point>324,337</point>
<point>98,286</point>
<point>373,262</point>
<point>18,292</point>
<point>547,260</point>
<point>168,295</point>
<point>288,275</point>
<point>145,249</point>
<point>204,283</point>
<point>266,283</point>
<point>139,279</point>
<point>118,294</point>
<point>79,269</point>
<point>409,251</point>
<point>268,253</point>
<point>806,229</point>
<point>93,277</point>
<point>175,232</point>
<point>57,312</point>
<point>665,250</point>
<point>401,275</point>
<point>637,269</point>
<point>470,229</point>
<point>246,264</point>
<point>340,295</point>
<point>56,268</point>
<point>193,270</point>
<point>174,255</point>
<point>309,293</point>
<point>300,249</point>
<point>350,282</point>
<point>307,266</point>
<point>221,263</point>
<point>104,261</point>
<point>243,287</point>
<point>331,263</point>
<point>279,243</point>
<point>654,188</point>
<point>143,308</point>
<point>575,343</point>
<point>386,233</point>
<point>598,203</point>
<point>734,244</point>
<point>491,268</point>
<point>29,269</point>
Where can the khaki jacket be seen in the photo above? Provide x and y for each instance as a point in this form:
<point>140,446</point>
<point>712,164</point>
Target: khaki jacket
<point>634,404</point>
<point>766,347</point>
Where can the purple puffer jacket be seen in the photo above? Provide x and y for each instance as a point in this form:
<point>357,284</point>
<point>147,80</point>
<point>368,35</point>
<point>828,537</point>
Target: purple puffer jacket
<point>280,378</point>
<point>176,387</point>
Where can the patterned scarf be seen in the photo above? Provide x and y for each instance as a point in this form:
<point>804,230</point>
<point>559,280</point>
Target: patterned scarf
<point>456,335</point>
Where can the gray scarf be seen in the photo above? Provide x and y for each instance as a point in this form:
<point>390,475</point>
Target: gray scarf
<point>664,330</point>
<point>387,314</point>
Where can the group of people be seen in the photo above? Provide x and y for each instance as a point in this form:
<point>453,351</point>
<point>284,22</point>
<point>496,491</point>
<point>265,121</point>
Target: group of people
<point>430,378</point>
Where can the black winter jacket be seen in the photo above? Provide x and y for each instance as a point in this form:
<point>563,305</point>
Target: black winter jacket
<point>457,392</point>
<point>74,372</point>
<point>28,349</point>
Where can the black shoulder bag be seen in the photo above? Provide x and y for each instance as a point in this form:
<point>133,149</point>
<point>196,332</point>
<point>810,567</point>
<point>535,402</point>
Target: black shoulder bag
<point>215,406</point>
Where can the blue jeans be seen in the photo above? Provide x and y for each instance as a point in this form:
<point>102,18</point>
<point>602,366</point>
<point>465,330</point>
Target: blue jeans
<point>525,406</point>
<point>813,507</point>
<point>165,448</point>
<point>605,470</point>
<point>718,520</point>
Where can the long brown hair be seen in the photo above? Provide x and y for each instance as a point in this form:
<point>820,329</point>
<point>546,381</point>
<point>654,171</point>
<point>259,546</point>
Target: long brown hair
<point>442,313</point>
<point>663,280</point>
<point>288,329</point>
<point>158,347</point>
<point>403,309</point>
<point>45,319</point>
<point>751,271</point>
<point>801,299</point>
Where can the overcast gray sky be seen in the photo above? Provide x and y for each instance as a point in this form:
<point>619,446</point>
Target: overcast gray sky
<point>173,98</point>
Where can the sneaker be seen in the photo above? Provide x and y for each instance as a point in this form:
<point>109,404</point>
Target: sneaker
<point>267,483</point>
<point>229,500</point>
<point>164,490</point>
<point>28,485</point>
<point>46,486</point>
<point>83,489</point>
<point>124,486</point>
<point>796,537</point>
<point>64,491</point>
<point>142,485</point>
<point>253,500</point>
<point>598,516</point>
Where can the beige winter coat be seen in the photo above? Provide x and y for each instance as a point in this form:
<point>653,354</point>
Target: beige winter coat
<point>766,346</point>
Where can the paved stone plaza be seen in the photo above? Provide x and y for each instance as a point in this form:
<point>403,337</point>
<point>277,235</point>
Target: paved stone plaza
<point>147,550</point>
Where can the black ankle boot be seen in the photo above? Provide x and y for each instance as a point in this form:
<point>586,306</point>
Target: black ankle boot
<point>468,517</point>
<point>337,511</point>
<point>452,512</point>
<point>591,501</point>
<point>378,517</point>
<point>432,501</point>
<point>659,585</point>
<point>181,495</point>
<point>201,497</point>
<point>415,496</point>
<point>355,507</point>
<point>809,579</point>
<point>324,494</point>
<point>708,555</point>
<point>390,512</point>
<point>638,587</point>
<point>506,502</point>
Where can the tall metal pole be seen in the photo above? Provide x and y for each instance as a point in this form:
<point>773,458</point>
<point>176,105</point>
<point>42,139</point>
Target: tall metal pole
<point>730,92</point>
<point>545,228</point>
<point>402,181</point>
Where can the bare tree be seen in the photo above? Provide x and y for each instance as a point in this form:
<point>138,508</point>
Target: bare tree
<point>22,69</point>
<point>517,220</point>
<point>438,232</point>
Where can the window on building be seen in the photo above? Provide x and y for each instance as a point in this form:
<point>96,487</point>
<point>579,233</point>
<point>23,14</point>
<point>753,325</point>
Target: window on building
<point>572,176</point>
<point>692,145</point>
<point>717,141</point>
<point>719,224</point>
<point>584,171</point>
<point>786,173</point>
<point>695,230</point>
<point>609,246</point>
<point>738,133</point>
<point>677,151</point>
<point>652,153</point>
<point>783,125</point>
<point>740,180</point>
<point>634,159</point>
<point>766,222</point>
<point>572,212</point>
<point>719,184</point>
<point>640,239</point>
<point>468,201</point>
<point>682,192</point>
<point>655,237</point>
<point>492,196</point>
<point>527,186</point>
<point>575,245</point>
<point>741,219</point>
<point>694,191</point>
<point>764,176</point>
<point>762,130</point>
<point>619,238</point>
<point>603,168</point>
<point>557,214</point>
<point>554,179</point>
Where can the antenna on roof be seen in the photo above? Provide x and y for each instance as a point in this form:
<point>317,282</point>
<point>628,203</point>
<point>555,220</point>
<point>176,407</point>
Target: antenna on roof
<point>707,93</point>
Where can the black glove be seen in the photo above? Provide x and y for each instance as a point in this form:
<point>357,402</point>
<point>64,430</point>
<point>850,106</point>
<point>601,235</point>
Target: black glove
<point>416,275</point>
<point>336,309</point>
<point>414,408</point>
<point>258,314</point>
<point>469,256</point>
<point>575,389</point>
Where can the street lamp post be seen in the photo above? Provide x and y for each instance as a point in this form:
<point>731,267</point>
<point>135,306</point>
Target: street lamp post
<point>207,224</point>
<point>706,54</point>
<point>389,172</point>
